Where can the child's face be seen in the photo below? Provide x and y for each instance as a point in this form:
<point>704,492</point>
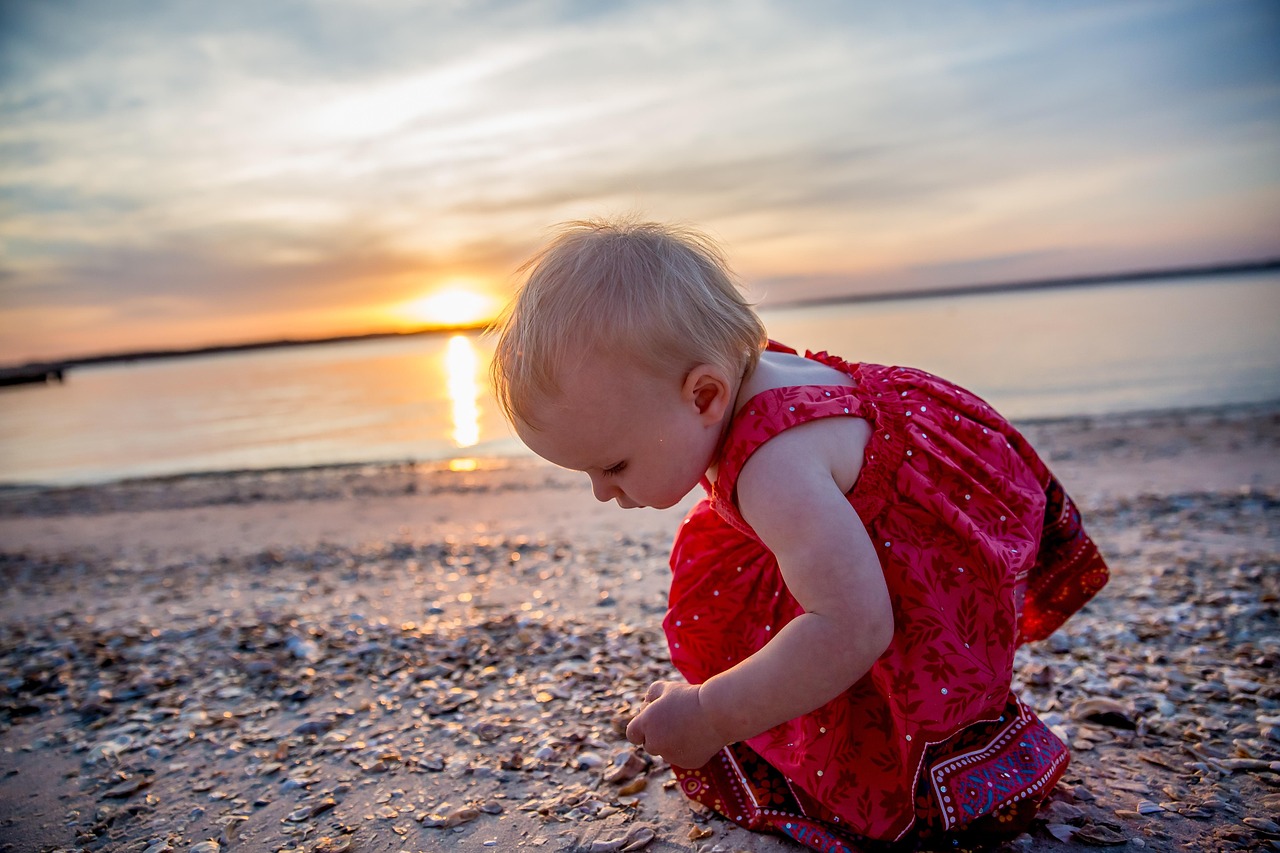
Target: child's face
<point>643,439</point>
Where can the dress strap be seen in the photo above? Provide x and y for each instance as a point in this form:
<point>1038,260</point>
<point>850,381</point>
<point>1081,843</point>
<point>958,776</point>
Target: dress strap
<point>776,410</point>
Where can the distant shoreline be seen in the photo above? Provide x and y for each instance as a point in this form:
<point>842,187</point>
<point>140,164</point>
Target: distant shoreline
<point>62,365</point>
<point>39,370</point>
<point>1060,283</point>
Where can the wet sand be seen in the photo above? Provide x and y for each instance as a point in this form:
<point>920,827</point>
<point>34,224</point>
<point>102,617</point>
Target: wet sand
<point>406,658</point>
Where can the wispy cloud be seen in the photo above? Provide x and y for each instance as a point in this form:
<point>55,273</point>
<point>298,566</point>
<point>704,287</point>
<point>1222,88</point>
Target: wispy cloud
<point>183,168</point>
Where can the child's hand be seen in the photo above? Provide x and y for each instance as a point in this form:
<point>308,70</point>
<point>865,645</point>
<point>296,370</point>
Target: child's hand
<point>673,725</point>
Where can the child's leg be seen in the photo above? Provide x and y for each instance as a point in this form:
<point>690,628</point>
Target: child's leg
<point>741,786</point>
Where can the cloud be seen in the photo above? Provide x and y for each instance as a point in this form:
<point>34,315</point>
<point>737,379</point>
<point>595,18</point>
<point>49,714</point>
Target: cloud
<point>252,156</point>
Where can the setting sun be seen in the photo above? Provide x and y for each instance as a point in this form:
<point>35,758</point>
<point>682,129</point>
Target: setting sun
<point>455,305</point>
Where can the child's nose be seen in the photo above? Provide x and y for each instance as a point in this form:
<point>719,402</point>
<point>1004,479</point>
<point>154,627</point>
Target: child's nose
<point>603,490</point>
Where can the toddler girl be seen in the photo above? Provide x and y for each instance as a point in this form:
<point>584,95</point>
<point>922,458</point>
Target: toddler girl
<point>846,601</point>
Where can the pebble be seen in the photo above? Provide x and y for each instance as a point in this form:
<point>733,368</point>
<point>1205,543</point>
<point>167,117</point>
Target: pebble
<point>1262,824</point>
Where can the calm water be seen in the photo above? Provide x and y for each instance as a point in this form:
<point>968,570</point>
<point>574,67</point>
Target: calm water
<point>1185,343</point>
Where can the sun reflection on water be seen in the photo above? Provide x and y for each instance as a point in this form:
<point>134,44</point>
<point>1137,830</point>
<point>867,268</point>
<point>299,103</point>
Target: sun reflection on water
<point>460,363</point>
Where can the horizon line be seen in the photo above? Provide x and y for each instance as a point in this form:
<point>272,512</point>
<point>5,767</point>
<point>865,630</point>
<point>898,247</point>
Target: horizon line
<point>1053,283</point>
<point>1059,282</point>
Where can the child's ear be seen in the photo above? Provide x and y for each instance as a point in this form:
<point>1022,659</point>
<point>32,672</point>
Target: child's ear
<point>707,388</point>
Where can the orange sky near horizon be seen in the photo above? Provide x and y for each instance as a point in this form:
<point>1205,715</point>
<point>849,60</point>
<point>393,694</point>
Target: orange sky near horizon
<point>180,176</point>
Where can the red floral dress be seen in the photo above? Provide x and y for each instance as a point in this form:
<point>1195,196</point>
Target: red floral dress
<point>981,551</point>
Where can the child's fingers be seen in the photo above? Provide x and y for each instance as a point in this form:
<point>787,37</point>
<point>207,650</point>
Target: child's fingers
<point>635,730</point>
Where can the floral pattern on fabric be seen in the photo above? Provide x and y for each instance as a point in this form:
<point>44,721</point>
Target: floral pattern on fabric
<point>981,551</point>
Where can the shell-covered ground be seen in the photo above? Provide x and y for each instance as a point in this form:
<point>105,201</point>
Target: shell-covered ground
<point>467,693</point>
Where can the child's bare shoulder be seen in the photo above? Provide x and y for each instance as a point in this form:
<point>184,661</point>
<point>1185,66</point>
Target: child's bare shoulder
<point>783,370</point>
<point>834,445</point>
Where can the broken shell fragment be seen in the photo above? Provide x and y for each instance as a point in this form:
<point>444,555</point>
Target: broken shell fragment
<point>635,786</point>
<point>231,829</point>
<point>308,812</point>
<point>1107,712</point>
<point>637,839</point>
<point>627,766</point>
<point>457,817</point>
<point>128,787</point>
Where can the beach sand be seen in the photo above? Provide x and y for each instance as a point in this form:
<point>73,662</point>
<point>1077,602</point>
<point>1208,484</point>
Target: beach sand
<point>407,658</point>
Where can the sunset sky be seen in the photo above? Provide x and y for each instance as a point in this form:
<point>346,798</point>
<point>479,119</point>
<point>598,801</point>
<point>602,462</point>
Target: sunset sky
<point>178,174</point>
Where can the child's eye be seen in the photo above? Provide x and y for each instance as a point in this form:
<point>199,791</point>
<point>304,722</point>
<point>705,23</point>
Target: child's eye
<point>615,469</point>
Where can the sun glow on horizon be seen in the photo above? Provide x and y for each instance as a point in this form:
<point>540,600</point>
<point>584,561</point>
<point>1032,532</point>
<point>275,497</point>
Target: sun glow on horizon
<point>456,305</point>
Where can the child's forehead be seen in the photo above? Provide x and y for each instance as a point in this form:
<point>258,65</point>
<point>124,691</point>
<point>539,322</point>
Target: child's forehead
<point>600,389</point>
<point>603,373</point>
<point>587,403</point>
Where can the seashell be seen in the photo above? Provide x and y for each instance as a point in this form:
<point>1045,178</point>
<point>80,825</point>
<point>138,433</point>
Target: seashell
<point>589,760</point>
<point>303,649</point>
<point>1060,811</point>
<point>1262,824</point>
<point>128,787</point>
<point>313,727</point>
<point>637,839</point>
<point>627,766</point>
<point>231,829</point>
<point>457,817</point>
<point>1100,835</point>
<point>109,750</point>
<point>1253,765</point>
<point>487,731</point>
<point>635,786</point>
<point>209,846</point>
<point>308,812</point>
<point>1107,712</point>
<point>1061,831</point>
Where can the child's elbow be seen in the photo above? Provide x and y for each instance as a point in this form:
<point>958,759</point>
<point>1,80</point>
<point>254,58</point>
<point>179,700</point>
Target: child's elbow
<point>879,632</point>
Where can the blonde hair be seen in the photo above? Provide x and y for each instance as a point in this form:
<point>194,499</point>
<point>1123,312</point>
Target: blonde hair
<point>660,294</point>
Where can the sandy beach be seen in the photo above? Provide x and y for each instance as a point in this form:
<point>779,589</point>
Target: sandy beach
<point>405,658</point>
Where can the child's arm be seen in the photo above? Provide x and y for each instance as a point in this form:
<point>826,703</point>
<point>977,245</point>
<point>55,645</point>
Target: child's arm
<point>792,492</point>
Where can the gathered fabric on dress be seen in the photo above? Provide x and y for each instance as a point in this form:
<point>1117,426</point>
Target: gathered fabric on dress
<point>982,551</point>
